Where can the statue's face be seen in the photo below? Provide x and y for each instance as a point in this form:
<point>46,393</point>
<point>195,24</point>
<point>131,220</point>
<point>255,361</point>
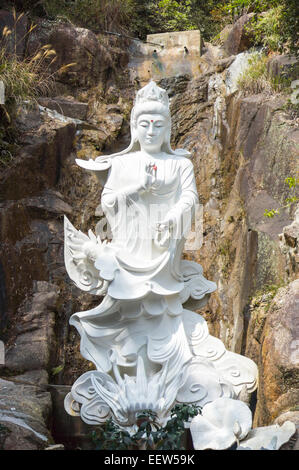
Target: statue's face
<point>151,130</point>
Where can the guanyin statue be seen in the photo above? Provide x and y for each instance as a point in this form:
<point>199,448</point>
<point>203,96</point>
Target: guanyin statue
<point>149,350</point>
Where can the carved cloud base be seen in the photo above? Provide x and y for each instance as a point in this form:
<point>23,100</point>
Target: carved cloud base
<point>174,361</point>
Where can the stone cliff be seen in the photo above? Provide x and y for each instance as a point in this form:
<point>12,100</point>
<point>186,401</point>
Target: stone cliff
<point>243,148</point>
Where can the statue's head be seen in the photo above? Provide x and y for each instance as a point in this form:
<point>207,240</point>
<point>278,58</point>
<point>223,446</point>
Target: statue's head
<point>151,104</point>
<point>150,119</point>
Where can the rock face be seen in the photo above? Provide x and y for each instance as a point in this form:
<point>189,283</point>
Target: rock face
<point>30,210</point>
<point>239,146</point>
<point>238,39</point>
<point>32,347</point>
<point>279,361</point>
<point>290,246</point>
<point>292,416</point>
<point>67,106</point>
<point>272,338</point>
<point>236,164</point>
<point>26,195</point>
<point>78,46</point>
<point>284,66</point>
<point>165,54</point>
<point>25,411</point>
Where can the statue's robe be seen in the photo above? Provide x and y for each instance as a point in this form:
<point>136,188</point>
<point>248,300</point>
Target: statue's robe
<point>142,311</point>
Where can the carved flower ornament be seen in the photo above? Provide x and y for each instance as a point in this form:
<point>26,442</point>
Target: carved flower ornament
<point>222,422</point>
<point>226,421</point>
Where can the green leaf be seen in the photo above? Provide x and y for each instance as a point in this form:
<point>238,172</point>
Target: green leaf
<point>291,182</point>
<point>291,200</point>
<point>271,213</point>
<point>57,369</point>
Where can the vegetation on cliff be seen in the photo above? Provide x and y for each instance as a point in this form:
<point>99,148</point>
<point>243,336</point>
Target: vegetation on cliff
<point>274,22</point>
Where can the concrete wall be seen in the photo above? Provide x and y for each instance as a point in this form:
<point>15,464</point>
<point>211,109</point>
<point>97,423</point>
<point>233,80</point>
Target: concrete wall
<point>165,55</point>
<point>190,39</point>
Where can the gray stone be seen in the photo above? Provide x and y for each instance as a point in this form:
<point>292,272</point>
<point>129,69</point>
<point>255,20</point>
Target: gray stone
<point>279,365</point>
<point>32,347</point>
<point>24,415</point>
<point>284,66</point>
<point>67,106</point>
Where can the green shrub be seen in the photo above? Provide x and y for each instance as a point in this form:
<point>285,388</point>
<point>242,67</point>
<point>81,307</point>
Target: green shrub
<point>149,434</point>
<point>275,25</point>
<point>97,15</point>
<point>266,29</point>
<point>175,16</point>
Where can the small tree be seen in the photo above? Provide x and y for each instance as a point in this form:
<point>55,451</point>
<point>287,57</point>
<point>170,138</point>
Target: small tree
<point>149,435</point>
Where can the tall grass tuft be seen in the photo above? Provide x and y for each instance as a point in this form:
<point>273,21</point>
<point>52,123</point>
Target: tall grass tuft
<point>25,78</point>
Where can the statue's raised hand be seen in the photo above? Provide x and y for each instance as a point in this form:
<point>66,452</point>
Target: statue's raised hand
<point>150,176</point>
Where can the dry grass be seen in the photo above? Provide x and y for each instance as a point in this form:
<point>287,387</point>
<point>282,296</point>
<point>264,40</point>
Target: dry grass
<point>25,78</point>
<point>256,78</point>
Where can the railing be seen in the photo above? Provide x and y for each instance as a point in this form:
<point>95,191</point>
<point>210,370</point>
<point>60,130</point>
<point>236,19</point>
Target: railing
<point>135,39</point>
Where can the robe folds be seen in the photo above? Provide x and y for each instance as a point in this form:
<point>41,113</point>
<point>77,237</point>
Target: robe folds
<point>147,280</point>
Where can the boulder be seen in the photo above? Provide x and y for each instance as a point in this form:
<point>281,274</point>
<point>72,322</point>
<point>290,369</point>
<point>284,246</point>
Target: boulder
<point>175,85</point>
<point>31,349</point>
<point>238,39</point>
<point>67,106</point>
<point>44,143</point>
<point>77,46</point>
<point>25,409</point>
<point>29,209</point>
<point>283,66</point>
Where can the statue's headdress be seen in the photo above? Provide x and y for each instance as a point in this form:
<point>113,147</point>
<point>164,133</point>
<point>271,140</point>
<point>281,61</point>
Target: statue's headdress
<point>151,92</point>
<point>151,99</point>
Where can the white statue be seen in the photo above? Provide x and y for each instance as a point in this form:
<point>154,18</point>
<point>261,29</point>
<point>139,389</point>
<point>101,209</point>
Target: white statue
<point>149,351</point>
